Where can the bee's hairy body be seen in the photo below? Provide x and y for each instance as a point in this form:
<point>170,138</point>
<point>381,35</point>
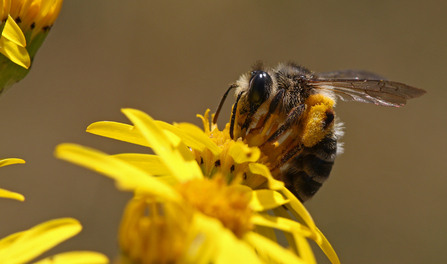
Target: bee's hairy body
<point>309,144</point>
<point>287,112</point>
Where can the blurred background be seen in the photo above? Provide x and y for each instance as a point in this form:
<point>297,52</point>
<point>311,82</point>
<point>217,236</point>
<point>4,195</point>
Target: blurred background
<point>385,201</point>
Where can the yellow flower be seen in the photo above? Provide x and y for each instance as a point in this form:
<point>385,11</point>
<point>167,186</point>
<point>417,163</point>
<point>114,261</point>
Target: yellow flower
<point>5,193</point>
<point>215,152</point>
<point>24,246</point>
<point>24,26</point>
<point>210,220</point>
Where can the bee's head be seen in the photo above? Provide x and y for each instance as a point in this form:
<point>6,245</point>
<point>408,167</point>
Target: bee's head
<point>260,87</point>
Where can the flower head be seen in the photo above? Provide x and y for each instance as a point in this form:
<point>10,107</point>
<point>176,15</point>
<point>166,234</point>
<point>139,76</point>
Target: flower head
<point>154,232</point>
<point>223,219</point>
<point>26,245</point>
<point>24,26</point>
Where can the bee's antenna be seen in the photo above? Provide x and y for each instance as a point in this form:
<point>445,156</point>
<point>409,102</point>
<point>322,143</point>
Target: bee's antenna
<point>233,116</point>
<point>216,115</point>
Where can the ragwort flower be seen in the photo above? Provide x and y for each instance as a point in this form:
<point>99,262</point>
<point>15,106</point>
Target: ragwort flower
<point>181,216</point>
<point>24,26</point>
<point>24,246</point>
<point>217,153</point>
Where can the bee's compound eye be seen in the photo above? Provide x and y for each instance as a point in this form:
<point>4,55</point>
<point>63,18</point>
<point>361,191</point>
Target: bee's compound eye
<point>260,87</point>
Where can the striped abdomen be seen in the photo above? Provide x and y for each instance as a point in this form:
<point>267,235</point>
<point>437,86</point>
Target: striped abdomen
<point>308,170</point>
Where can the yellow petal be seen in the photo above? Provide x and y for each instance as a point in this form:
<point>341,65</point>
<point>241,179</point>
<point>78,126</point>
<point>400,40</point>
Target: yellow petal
<point>75,257</point>
<point>262,170</point>
<point>168,179</point>
<point>10,161</point>
<point>270,250</point>
<point>149,163</point>
<point>304,249</point>
<point>45,7</point>
<point>297,228</point>
<point>127,176</point>
<point>118,131</point>
<point>17,54</point>
<point>197,135</point>
<point>240,188</point>
<point>6,241</point>
<point>174,153</point>
<point>328,249</point>
<point>37,240</point>
<point>15,7</point>
<point>54,12</point>
<point>205,121</point>
<point>13,33</point>
<point>267,232</point>
<point>235,251</point>
<point>280,223</point>
<point>184,137</point>
<point>242,153</point>
<point>293,230</point>
<point>12,195</point>
<point>301,214</point>
<point>217,244</point>
<point>262,200</point>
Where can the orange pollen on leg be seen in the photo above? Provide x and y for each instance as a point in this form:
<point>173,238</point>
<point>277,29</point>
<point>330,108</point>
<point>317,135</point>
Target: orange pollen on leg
<point>315,127</point>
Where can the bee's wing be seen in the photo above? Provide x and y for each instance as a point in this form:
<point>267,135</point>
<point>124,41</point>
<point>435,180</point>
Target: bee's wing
<point>350,74</point>
<point>378,92</point>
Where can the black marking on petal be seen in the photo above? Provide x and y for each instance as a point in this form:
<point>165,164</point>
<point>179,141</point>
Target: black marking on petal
<point>18,20</point>
<point>217,163</point>
<point>232,168</point>
<point>33,25</point>
<point>201,160</point>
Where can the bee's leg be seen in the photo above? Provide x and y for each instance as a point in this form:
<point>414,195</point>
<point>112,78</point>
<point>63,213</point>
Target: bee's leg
<point>294,116</point>
<point>216,115</point>
<point>247,122</point>
<point>290,153</point>
<point>273,105</point>
<point>233,116</point>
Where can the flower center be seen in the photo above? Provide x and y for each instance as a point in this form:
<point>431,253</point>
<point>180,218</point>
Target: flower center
<point>213,197</point>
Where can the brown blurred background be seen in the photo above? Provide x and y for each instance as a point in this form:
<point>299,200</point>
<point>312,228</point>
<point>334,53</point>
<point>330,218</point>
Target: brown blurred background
<point>385,201</point>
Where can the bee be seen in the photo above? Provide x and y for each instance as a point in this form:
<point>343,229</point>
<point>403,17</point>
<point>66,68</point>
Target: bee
<point>288,113</point>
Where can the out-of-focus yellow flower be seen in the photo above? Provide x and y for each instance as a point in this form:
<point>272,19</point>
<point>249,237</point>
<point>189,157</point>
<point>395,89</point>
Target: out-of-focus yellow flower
<point>25,246</point>
<point>210,220</point>
<point>216,152</point>
<point>24,26</point>
<point>5,193</point>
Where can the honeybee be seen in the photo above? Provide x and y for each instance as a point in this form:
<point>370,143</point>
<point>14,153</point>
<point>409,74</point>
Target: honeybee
<point>287,112</point>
